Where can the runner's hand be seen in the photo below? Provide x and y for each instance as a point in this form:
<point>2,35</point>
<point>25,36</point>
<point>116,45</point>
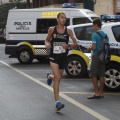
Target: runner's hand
<point>65,46</point>
<point>48,46</point>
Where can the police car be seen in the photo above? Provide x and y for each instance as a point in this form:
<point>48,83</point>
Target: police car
<point>77,62</point>
<point>26,30</point>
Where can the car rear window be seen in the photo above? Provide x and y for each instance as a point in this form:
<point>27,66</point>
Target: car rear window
<point>93,18</point>
<point>116,32</point>
<point>84,33</point>
<point>80,21</point>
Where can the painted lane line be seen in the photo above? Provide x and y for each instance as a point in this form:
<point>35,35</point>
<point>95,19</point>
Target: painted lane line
<point>37,70</point>
<point>72,101</point>
<point>89,93</point>
<point>76,79</point>
<point>28,76</point>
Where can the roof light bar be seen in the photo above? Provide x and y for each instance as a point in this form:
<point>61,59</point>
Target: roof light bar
<point>110,17</point>
<point>69,5</point>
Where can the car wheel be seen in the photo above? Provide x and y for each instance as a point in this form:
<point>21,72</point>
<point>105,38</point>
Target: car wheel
<point>75,67</point>
<point>112,77</point>
<point>25,55</point>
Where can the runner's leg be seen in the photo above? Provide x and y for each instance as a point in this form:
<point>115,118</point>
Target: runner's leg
<point>57,76</point>
<point>52,76</point>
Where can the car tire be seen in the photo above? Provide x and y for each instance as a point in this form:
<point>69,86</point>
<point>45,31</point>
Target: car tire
<point>25,55</point>
<point>112,77</point>
<point>75,67</point>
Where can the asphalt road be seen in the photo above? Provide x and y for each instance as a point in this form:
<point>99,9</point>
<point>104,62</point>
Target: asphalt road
<point>26,96</point>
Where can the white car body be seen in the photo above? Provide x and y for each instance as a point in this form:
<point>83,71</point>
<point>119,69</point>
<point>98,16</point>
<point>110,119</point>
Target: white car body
<point>112,29</point>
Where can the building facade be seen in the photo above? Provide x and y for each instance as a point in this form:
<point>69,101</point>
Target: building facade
<point>7,1</point>
<point>41,3</point>
<point>116,7</point>
<point>104,7</point>
<point>110,7</point>
<point>100,6</point>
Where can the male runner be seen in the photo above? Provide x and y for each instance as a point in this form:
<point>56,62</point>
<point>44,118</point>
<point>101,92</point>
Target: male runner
<point>57,41</point>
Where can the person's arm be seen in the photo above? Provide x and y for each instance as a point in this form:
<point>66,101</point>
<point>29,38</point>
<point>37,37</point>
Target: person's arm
<point>75,44</point>
<point>47,41</point>
<point>93,47</point>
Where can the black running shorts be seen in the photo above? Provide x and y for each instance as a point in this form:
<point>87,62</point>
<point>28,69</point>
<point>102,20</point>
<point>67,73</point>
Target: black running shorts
<point>60,60</point>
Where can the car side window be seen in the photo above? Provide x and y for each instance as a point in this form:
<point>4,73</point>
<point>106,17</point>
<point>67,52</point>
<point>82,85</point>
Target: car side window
<point>80,33</point>
<point>80,20</point>
<point>116,32</point>
<point>84,33</point>
<point>89,32</point>
<point>44,24</point>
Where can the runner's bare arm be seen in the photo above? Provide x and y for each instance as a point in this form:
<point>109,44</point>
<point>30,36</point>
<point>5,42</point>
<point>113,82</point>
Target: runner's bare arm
<point>47,41</point>
<point>75,44</point>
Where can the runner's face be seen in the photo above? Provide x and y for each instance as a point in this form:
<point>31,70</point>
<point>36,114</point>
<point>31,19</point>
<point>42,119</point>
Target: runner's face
<point>62,19</point>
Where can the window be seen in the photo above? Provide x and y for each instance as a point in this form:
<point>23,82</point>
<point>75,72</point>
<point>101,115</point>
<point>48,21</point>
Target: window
<point>89,32</point>
<point>49,2</point>
<point>94,18</point>
<point>61,1</point>
<point>79,1</point>
<point>84,33</point>
<point>44,24</point>
<point>116,32</point>
<point>67,1</point>
<point>80,21</point>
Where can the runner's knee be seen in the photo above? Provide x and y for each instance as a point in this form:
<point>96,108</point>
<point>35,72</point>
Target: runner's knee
<point>57,77</point>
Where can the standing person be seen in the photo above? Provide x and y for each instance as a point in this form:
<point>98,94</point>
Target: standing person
<point>57,41</point>
<point>97,68</point>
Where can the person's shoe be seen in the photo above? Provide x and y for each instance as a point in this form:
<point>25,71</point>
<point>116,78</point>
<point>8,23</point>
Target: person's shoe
<point>59,106</point>
<point>93,97</point>
<point>49,81</point>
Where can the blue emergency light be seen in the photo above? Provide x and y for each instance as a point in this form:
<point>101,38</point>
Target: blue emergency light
<point>110,18</point>
<point>69,5</point>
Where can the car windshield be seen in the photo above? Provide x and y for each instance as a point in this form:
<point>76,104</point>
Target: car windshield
<point>94,18</point>
<point>84,33</point>
<point>80,20</point>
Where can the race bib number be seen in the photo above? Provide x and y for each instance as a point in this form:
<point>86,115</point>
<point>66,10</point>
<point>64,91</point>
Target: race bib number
<point>57,48</point>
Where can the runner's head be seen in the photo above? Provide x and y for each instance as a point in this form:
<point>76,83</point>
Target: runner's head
<point>61,18</point>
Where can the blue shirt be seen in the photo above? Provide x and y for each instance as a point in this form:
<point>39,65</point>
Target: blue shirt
<point>98,40</point>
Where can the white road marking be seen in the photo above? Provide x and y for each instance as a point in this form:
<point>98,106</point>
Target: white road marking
<point>84,93</point>
<point>71,79</point>
<point>37,70</point>
<point>51,71</point>
<point>81,106</point>
<point>76,79</point>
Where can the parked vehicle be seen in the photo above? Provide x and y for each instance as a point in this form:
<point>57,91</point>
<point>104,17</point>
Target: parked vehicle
<point>83,35</point>
<point>26,30</point>
<point>2,38</point>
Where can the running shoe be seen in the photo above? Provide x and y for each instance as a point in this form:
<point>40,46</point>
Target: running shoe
<point>49,81</point>
<point>59,106</point>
